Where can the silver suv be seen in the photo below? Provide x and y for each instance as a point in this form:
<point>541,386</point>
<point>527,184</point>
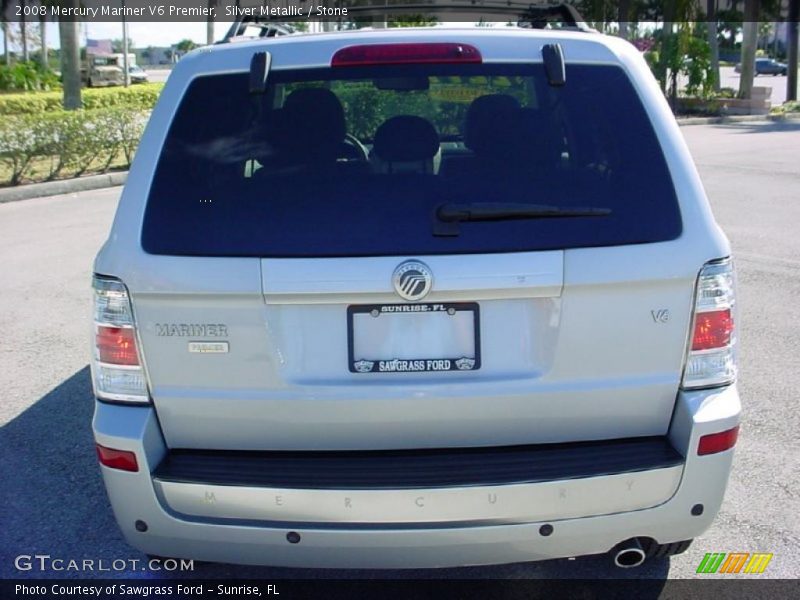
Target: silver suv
<point>411,298</point>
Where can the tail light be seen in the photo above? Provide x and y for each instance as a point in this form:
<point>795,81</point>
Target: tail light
<point>405,54</point>
<point>117,372</point>
<point>711,355</point>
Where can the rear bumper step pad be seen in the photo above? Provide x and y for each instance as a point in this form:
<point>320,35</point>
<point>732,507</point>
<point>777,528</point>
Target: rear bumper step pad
<point>411,469</point>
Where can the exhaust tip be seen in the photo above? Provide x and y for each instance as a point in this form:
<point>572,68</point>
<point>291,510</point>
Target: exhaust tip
<point>629,554</point>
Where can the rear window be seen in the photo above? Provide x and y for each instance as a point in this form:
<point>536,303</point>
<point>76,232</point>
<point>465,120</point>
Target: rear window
<point>358,161</point>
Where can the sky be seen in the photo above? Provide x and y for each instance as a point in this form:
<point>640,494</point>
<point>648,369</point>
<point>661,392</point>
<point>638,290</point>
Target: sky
<point>156,34</point>
<point>159,34</point>
<point>142,34</point>
<point>146,34</point>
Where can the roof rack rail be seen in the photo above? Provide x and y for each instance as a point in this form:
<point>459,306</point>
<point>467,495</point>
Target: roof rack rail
<point>528,15</point>
<point>540,16</point>
<point>266,28</point>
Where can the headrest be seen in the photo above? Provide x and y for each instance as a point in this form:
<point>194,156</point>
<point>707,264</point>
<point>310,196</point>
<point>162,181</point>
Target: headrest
<point>406,138</point>
<point>489,124</point>
<point>312,123</point>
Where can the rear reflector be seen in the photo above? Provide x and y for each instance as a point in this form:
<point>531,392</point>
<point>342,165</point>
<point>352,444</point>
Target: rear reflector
<point>389,54</point>
<point>117,459</point>
<point>116,346</point>
<point>718,442</point>
<point>712,329</point>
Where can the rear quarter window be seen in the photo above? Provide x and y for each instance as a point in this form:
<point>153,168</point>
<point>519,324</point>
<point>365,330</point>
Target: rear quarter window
<point>356,161</point>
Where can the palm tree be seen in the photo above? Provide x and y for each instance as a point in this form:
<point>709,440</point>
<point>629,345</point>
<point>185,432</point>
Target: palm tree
<point>791,80</point>
<point>43,35</point>
<point>5,5</point>
<point>45,57</point>
<point>749,40</point>
<point>23,29</point>
<point>70,60</point>
<point>6,54</point>
<point>713,42</point>
<point>210,23</point>
<point>624,18</point>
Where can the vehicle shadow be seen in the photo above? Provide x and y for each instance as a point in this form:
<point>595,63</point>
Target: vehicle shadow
<point>53,499</point>
<point>53,503</point>
<point>761,126</point>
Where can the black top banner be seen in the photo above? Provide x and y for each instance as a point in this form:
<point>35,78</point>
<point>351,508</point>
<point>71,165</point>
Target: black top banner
<point>399,11</point>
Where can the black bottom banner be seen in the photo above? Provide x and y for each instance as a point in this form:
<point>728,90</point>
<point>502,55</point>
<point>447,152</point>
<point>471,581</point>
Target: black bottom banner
<point>717,589</point>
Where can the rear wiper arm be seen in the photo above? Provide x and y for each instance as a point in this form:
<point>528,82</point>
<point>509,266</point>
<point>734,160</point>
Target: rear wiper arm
<point>449,215</point>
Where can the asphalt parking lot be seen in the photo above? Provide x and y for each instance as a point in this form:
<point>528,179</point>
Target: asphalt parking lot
<point>52,500</point>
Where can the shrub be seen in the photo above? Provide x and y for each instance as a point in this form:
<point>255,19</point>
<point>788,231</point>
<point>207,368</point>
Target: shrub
<point>139,97</point>
<point>792,106</point>
<point>27,77</point>
<point>44,147</point>
<point>698,70</point>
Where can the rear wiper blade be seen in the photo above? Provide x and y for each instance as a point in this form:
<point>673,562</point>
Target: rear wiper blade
<point>498,211</point>
<point>450,214</point>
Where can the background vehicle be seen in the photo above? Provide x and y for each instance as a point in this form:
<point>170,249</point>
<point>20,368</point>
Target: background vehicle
<point>412,298</point>
<point>137,74</point>
<point>101,70</point>
<point>766,66</point>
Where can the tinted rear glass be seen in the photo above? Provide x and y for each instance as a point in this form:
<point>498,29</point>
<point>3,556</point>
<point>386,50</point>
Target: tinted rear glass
<point>356,161</point>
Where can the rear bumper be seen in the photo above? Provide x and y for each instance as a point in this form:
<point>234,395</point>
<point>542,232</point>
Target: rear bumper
<point>610,510</point>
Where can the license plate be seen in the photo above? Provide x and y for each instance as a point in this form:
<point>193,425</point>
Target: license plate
<point>413,338</point>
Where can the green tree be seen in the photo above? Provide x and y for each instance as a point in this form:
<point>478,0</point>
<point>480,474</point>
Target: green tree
<point>186,45</point>
<point>683,52</point>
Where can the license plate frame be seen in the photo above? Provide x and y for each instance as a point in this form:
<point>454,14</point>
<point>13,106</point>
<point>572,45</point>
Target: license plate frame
<point>423,364</point>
